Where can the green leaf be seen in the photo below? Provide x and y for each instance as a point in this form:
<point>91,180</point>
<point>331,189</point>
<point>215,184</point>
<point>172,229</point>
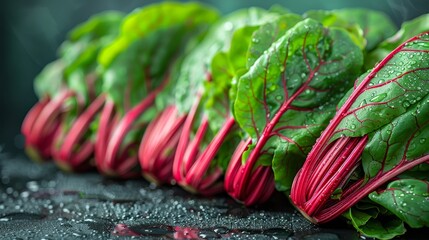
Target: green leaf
<point>386,149</point>
<point>334,19</point>
<point>197,65</point>
<point>155,40</point>
<point>97,26</point>
<point>390,90</point>
<point>80,52</point>
<point>368,222</point>
<point>408,199</point>
<point>144,21</point>
<point>247,44</point>
<point>50,80</point>
<point>376,25</point>
<point>267,34</point>
<point>287,97</point>
<point>408,29</point>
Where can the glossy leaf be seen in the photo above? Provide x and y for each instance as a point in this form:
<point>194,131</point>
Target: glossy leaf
<point>369,221</point>
<point>407,199</point>
<point>197,65</point>
<point>331,18</point>
<point>380,128</point>
<point>298,78</point>
<point>388,90</point>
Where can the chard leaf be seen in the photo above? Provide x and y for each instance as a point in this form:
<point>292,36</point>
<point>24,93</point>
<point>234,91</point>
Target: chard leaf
<point>149,57</point>
<point>50,80</point>
<point>404,138</point>
<point>80,52</point>
<point>408,30</point>
<point>287,97</point>
<point>144,21</point>
<point>388,91</point>
<point>376,25</point>
<point>333,19</point>
<point>408,199</point>
<point>142,67</point>
<point>368,222</point>
<point>197,65</point>
<point>267,34</point>
<point>247,44</point>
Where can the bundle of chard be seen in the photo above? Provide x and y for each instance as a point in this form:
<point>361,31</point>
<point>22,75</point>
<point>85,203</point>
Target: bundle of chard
<point>59,125</point>
<point>209,133</point>
<point>137,67</point>
<point>371,162</point>
<point>286,99</point>
<point>257,98</point>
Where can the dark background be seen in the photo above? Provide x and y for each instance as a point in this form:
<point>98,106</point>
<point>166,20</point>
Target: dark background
<point>31,31</point>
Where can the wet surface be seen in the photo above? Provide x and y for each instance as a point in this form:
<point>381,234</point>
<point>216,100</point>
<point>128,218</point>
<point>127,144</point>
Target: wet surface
<point>38,201</point>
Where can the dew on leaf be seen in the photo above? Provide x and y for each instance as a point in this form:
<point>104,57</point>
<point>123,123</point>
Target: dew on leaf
<point>405,104</point>
<point>379,97</point>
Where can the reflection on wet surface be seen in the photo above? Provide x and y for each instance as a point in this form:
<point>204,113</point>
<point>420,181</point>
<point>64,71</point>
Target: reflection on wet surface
<point>38,201</point>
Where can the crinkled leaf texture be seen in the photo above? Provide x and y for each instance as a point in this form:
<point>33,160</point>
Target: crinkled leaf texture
<point>407,199</point>
<point>386,114</point>
<point>197,65</point>
<point>290,93</point>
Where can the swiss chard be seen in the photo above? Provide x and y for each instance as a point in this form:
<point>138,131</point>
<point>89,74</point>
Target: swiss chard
<point>66,87</point>
<point>378,133</point>
<point>73,147</point>
<point>43,119</point>
<point>210,133</point>
<point>137,67</point>
<point>284,101</point>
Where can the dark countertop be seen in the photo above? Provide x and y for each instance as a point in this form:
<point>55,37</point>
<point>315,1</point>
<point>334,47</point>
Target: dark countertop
<point>39,201</point>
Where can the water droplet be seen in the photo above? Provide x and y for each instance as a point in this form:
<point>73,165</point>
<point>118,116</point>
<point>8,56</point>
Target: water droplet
<point>279,97</point>
<point>363,103</point>
<point>422,140</point>
<point>379,97</point>
<point>353,126</point>
<point>405,104</point>
<point>255,40</point>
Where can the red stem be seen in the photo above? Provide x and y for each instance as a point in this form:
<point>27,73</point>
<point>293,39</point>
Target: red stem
<point>67,153</point>
<point>353,197</point>
<point>315,153</point>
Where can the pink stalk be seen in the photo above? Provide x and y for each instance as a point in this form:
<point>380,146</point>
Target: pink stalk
<point>158,145</point>
<point>32,115</point>
<point>112,157</point>
<point>191,168</point>
<point>329,165</point>
<point>41,124</point>
<point>260,186</point>
<point>75,152</point>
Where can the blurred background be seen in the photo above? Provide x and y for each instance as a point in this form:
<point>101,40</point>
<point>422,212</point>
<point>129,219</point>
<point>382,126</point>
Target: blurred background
<point>32,30</point>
